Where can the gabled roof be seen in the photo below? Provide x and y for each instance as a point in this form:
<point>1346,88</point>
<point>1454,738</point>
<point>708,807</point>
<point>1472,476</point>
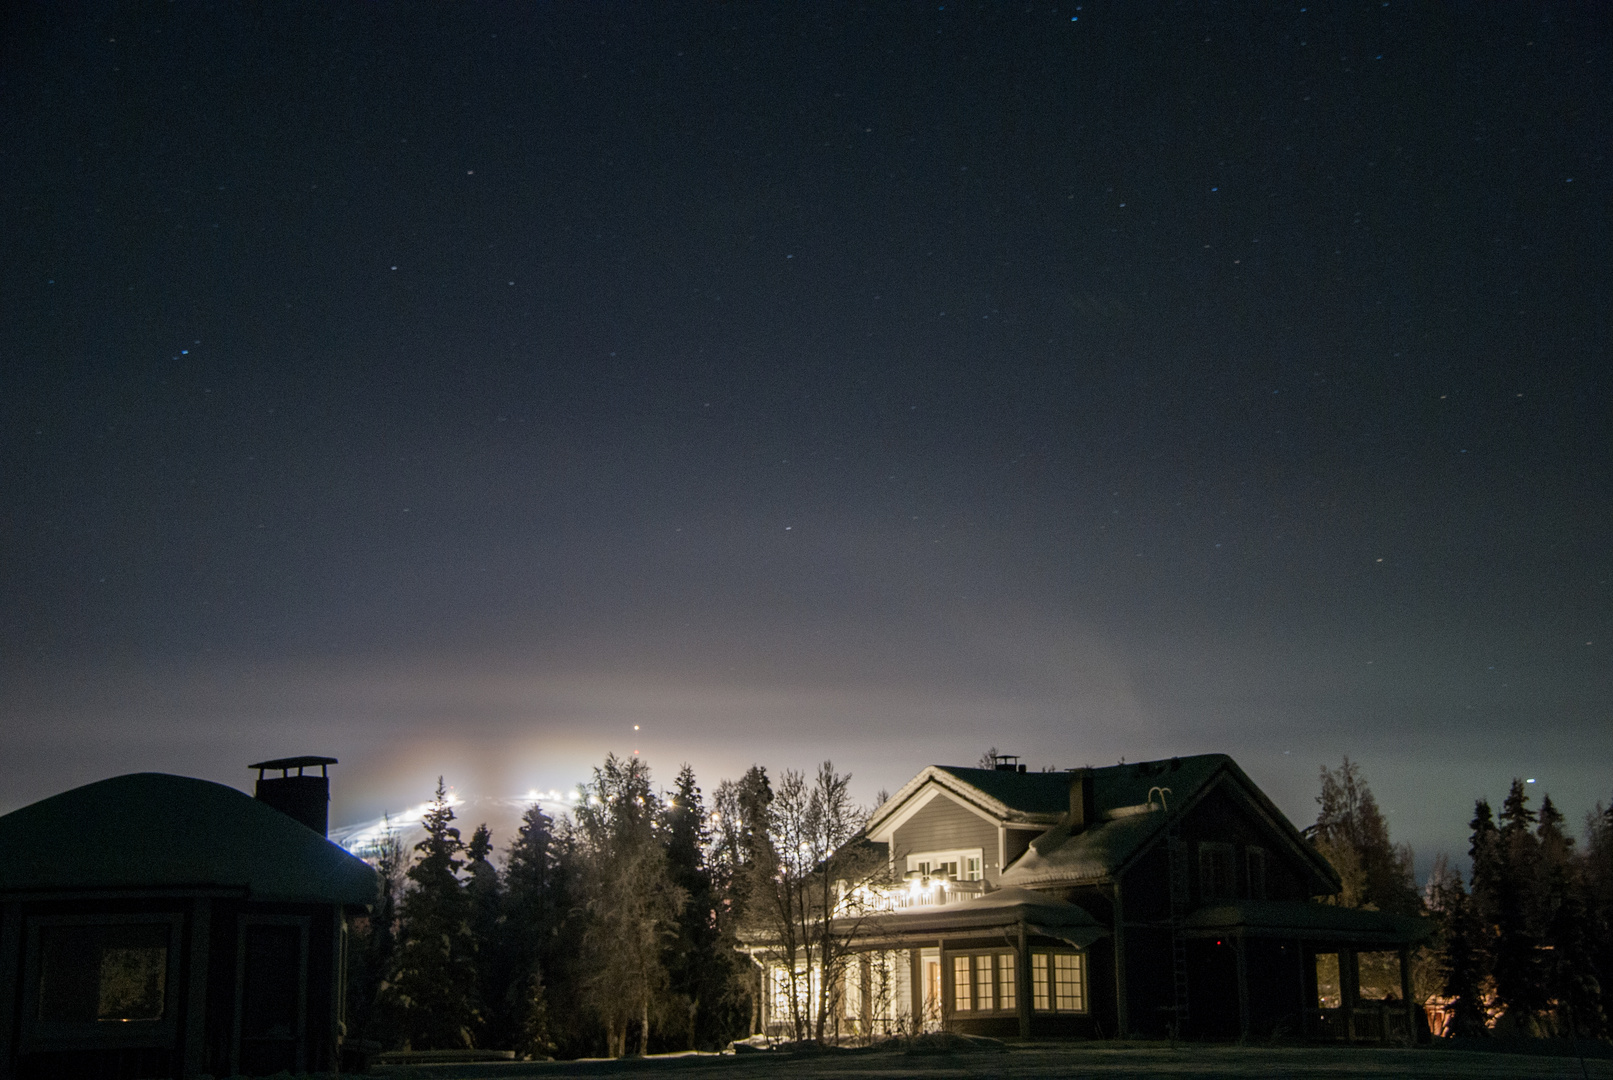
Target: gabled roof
<point>1134,803</point>
<point>1038,799</point>
<point>155,832</point>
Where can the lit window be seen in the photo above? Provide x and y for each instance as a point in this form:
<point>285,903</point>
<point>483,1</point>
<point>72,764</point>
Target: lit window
<point>1007,995</point>
<point>1058,982</point>
<point>983,982</point>
<point>957,865</point>
<point>1067,982</point>
<point>1329,989</point>
<point>961,998</point>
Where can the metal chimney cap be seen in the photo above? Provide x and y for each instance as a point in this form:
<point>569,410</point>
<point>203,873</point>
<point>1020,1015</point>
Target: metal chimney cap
<point>304,762</point>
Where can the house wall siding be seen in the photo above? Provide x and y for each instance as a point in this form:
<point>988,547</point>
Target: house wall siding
<point>943,825</point>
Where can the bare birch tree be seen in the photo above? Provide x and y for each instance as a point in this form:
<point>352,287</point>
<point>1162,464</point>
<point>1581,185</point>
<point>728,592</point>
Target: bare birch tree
<point>804,889</point>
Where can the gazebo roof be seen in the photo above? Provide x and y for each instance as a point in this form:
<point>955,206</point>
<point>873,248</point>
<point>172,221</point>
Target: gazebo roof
<point>152,832</point>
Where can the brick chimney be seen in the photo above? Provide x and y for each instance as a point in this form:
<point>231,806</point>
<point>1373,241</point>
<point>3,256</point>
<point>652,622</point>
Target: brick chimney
<point>304,797</point>
<point>1083,801</point>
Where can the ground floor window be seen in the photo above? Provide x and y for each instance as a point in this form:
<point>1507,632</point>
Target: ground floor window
<point>1329,987</point>
<point>1378,976</point>
<point>983,982</point>
<point>1058,982</point>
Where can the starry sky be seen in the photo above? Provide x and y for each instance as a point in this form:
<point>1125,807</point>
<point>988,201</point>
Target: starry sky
<point>450,389</point>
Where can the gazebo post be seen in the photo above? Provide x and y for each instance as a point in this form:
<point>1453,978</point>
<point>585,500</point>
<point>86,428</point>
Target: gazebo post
<point>201,936</point>
<point>10,960</point>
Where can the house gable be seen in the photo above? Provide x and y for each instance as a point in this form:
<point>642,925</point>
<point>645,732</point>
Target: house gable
<point>944,823</point>
<point>1237,847</point>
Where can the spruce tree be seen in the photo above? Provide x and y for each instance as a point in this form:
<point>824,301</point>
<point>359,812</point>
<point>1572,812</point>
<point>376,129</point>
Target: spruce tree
<point>1464,953</point>
<point>632,902</point>
<point>432,987</point>
<point>1569,984</point>
<point>1517,906</point>
<point>543,930</point>
<point>374,943</point>
<point>484,891</point>
<point>1484,849</point>
<point>1597,873</point>
<point>700,958</point>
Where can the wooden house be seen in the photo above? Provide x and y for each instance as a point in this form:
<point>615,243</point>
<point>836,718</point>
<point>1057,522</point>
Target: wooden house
<point>1144,899</point>
<point>163,926</point>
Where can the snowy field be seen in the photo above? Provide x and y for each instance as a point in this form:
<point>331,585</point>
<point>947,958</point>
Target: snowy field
<point>1034,1061</point>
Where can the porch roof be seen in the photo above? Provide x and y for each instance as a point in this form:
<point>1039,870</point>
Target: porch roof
<point>1306,921</point>
<point>1005,909</point>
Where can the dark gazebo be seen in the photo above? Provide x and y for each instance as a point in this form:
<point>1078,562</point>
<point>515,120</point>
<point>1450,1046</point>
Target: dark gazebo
<point>163,926</point>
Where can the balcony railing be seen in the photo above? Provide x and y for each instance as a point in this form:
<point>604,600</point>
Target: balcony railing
<point>916,892</point>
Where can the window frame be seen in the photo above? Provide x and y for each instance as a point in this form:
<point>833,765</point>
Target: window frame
<point>961,856</point>
<point>971,959</point>
<point>45,1035</point>
<point>1228,853</point>
<point>1044,982</point>
<point>1256,856</point>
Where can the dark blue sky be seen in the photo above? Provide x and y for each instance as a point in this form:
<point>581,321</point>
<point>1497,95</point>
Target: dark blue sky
<point>453,389</point>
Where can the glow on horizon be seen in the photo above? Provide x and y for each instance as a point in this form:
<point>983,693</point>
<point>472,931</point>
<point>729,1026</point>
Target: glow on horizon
<point>363,838</point>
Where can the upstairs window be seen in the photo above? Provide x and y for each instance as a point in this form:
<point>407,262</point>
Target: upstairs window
<point>1215,872</point>
<point>957,865</point>
<point>1255,858</point>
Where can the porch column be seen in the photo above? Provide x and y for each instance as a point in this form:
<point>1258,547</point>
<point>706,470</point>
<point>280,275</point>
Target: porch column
<point>915,967</point>
<point>1349,985</point>
<point>197,963</point>
<point>944,985</point>
<point>1405,995</point>
<point>1243,987</point>
<point>1022,980</point>
<point>10,965</point>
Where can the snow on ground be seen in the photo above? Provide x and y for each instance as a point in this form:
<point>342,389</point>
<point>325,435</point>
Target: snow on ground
<point>1044,1061</point>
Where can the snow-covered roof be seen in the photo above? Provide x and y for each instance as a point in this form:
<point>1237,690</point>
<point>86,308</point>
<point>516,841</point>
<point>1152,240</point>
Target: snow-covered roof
<point>154,832</point>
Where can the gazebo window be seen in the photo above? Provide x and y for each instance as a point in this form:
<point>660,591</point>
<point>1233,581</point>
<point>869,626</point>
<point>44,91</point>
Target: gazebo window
<point>103,974</point>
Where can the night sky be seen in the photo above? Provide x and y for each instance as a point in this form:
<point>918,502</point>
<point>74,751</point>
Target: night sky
<point>448,389</point>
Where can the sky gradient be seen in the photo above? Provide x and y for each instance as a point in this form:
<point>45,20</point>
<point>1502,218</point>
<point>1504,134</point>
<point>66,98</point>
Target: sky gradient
<point>450,390</point>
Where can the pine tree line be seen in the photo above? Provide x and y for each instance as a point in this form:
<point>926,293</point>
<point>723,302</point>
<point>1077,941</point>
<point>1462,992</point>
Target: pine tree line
<point>613,931</point>
<point>1525,946</point>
